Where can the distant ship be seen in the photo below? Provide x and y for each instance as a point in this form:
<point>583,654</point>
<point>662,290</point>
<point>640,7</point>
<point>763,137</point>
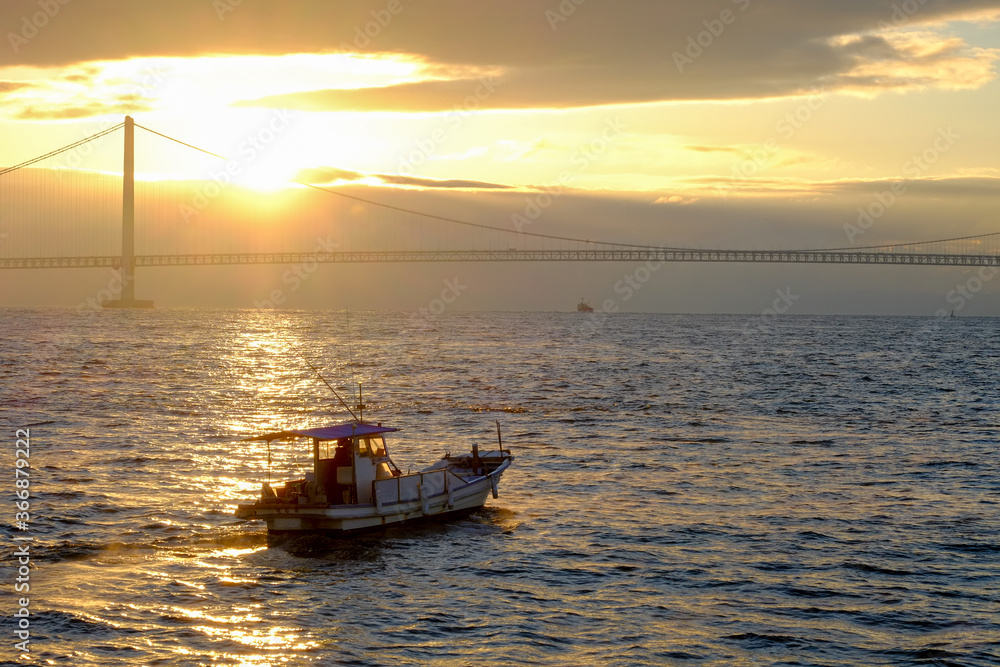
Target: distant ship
<point>584,307</point>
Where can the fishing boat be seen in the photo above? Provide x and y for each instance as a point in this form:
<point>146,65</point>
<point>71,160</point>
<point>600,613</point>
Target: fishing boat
<point>354,485</point>
<point>584,307</point>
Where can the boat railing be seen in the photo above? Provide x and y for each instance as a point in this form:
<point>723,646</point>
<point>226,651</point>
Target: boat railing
<point>415,486</point>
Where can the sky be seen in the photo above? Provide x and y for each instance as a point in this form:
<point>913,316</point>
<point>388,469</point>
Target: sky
<point>722,124</point>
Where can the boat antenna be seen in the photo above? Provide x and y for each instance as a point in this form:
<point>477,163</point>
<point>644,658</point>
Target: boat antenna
<point>331,388</point>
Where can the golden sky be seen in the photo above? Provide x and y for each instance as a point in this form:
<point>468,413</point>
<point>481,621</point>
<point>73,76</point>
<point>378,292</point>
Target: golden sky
<point>700,116</point>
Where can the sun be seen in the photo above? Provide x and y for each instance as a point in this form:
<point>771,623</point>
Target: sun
<point>268,174</point>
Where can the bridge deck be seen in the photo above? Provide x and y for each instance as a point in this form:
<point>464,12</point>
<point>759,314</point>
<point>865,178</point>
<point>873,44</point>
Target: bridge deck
<point>514,255</point>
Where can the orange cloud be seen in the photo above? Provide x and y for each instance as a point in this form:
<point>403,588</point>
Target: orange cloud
<point>334,175</point>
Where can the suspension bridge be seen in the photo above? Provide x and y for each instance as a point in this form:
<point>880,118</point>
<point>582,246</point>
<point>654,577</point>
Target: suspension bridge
<point>56,214</point>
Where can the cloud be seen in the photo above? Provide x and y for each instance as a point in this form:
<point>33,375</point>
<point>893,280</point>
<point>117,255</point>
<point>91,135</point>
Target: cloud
<point>601,54</point>
<point>677,199</point>
<point>447,184</point>
<point>334,175</point>
<point>461,95</point>
<point>75,112</point>
<point>714,149</point>
<point>912,60</point>
<point>855,63</point>
<point>10,86</point>
<point>72,93</point>
<point>955,188</point>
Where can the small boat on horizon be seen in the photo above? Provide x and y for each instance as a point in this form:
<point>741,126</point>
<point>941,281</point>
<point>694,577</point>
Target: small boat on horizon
<point>354,485</point>
<point>584,307</point>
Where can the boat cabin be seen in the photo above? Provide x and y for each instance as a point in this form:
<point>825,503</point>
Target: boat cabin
<point>347,459</point>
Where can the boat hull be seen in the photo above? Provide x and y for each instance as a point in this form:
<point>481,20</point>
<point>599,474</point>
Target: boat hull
<point>454,501</point>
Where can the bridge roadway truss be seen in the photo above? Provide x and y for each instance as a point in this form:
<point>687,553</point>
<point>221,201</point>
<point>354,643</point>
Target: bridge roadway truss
<point>514,255</point>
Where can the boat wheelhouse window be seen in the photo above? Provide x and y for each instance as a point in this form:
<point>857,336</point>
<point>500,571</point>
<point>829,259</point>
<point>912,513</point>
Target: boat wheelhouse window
<point>325,450</point>
<point>373,446</point>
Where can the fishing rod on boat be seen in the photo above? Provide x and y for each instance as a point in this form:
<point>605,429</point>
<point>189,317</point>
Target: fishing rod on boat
<point>331,389</point>
<point>360,402</point>
<point>499,440</point>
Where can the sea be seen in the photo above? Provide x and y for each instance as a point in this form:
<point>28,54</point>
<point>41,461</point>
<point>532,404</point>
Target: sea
<point>710,490</point>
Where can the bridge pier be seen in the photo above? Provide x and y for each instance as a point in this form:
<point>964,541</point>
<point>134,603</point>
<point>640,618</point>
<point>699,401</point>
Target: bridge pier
<point>128,299</point>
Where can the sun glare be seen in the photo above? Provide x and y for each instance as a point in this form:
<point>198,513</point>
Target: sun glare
<point>268,175</point>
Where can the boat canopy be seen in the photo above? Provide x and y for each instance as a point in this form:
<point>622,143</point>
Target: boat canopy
<point>334,432</point>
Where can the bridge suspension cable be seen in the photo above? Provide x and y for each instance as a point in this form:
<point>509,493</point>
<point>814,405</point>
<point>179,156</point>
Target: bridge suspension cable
<point>478,225</point>
<point>182,143</point>
<point>61,150</point>
<point>907,245</point>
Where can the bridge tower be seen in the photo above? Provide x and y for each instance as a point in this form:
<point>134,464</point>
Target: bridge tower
<point>128,299</point>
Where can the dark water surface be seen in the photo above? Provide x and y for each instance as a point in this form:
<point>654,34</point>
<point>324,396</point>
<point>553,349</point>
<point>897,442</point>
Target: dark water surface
<point>686,490</point>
